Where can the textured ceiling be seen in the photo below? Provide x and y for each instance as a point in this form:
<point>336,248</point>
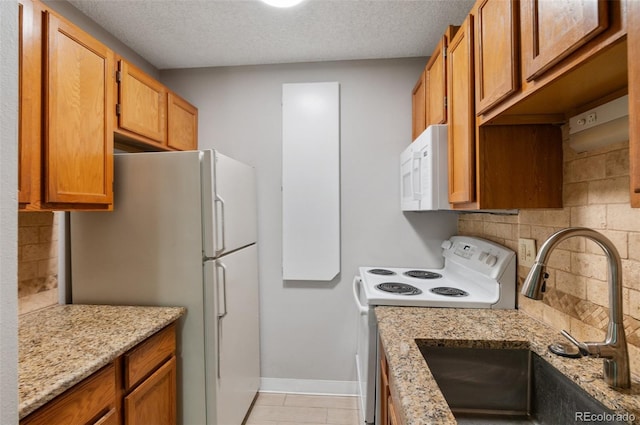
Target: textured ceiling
<point>203,33</point>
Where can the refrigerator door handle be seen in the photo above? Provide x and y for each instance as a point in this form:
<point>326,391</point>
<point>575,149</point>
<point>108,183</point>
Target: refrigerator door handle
<point>220,201</point>
<point>221,311</point>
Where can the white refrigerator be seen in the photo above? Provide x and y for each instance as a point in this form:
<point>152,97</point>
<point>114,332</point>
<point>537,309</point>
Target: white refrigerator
<point>183,233</point>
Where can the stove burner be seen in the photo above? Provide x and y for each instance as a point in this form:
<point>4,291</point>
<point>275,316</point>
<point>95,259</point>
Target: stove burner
<point>423,274</point>
<point>383,272</point>
<point>398,288</point>
<point>449,292</point>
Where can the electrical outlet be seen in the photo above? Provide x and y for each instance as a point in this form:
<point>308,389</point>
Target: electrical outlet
<point>526,252</point>
<point>592,118</point>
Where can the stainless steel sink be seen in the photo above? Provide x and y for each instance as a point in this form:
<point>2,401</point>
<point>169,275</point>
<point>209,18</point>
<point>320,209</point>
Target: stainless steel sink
<point>508,386</point>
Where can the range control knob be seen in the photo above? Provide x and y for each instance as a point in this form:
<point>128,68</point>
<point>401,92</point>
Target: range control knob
<point>447,244</point>
<point>483,256</point>
<point>491,260</point>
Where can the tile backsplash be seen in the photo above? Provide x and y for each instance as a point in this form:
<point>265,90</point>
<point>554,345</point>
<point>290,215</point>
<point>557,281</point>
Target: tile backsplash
<point>596,195</point>
<point>37,260</point>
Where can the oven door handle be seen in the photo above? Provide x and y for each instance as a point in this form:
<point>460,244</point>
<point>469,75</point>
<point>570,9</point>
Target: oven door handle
<point>362,309</point>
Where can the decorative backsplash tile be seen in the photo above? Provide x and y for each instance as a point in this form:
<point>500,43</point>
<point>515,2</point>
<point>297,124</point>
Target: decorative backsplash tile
<point>37,260</point>
<point>596,195</point>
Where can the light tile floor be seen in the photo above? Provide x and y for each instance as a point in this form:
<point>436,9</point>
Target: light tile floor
<point>300,409</point>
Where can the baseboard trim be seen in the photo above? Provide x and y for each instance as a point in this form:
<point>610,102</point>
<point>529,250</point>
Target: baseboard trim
<point>308,386</point>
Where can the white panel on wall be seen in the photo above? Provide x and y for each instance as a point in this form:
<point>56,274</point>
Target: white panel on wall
<point>310,181</point>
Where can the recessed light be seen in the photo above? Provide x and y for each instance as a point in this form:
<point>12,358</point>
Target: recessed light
<point>282,3</point>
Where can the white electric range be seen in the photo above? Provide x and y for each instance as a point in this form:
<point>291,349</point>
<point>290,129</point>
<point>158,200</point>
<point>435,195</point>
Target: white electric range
<point>476,274</point>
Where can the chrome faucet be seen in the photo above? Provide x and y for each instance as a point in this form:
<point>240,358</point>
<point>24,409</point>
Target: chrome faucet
<point>614,348</point>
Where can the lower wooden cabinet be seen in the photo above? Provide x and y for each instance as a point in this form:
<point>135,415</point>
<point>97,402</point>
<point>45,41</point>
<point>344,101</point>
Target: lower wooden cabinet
<point>137,388</point>
<point>92,401</point>
<point>149,381</point>
<point>154,400</point>
<point>388,409</point>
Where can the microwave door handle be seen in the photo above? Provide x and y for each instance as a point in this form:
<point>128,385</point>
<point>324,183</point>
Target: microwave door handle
<point>417,194</point>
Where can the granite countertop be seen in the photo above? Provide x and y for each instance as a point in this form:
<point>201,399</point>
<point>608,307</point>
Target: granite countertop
<point>420,400</point>
<point>61,345</point>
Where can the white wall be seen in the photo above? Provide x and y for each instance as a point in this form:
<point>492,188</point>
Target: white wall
<point>8,212</point>
<point>309,328</point>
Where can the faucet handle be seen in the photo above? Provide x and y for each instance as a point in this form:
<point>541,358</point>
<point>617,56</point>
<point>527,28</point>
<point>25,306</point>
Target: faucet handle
<point>584,350</point>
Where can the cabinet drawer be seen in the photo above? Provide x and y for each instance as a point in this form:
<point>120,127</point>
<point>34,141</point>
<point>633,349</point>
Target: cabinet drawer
<point>82,404</point>
<point>147,356</point>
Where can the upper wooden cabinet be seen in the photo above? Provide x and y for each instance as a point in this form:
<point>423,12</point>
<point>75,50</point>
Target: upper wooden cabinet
<point>429,96</point>
<point>182,124</point>
<point>436,80</point>
<point>518,166</point>
<point>495,166</point>
<point>418,105</point>
<point>78,142</point>
<point>496,48</point>
<point>66,133</point>
<point>67,114</point>
<point>564,55</point>
<point>142,104</point>
<point>29,102</point>
<point>461,111</point>
<point>150,116</point>
<point>551,30</point>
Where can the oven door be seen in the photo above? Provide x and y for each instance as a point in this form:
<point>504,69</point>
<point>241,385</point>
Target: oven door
<point>366,355</point>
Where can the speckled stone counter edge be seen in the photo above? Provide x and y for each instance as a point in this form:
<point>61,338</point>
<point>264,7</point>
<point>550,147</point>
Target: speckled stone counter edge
<point>62,345</point>
<point>420,400</point>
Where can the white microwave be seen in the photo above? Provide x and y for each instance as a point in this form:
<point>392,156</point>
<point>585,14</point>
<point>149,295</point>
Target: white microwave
<point>424,172</point>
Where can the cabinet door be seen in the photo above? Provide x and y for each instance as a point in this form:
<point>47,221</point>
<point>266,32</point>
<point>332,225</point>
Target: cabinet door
<point>393,417</point>
<point>142,103</point>
<point>182,124</point>
<point>436,85</point>
<point>154,400</point>
<point>633,48</point>
<point>78,138</point>
<point>384,389</point>
<point>418,96</point>
<point>461,135</point>
<point>496,58</point>
<point>29,104</point>
<point>551,30</point>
